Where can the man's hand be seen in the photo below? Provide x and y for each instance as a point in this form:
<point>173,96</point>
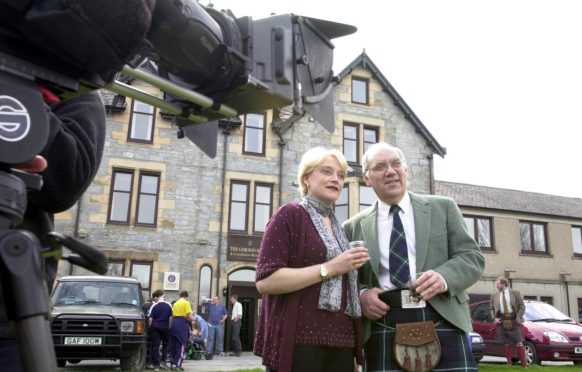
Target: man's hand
<point>372,307</point>
<point>36,165</point>
<point>429,284</point>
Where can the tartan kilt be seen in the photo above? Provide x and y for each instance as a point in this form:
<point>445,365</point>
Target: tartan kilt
<point>456,354</point>
<point>510,337</point>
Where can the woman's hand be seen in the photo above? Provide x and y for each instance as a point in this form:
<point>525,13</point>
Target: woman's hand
<point>352,259</point>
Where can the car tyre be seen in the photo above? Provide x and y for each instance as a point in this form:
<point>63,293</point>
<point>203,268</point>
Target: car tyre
<point>531,354</point>
<point>61,363</point>
<point>135,362</point>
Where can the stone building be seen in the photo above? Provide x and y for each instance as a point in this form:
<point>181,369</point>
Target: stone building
<point>163,211</point>
<point>535,240</point>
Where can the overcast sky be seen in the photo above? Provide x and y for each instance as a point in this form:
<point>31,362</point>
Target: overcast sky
<point>497,82</point>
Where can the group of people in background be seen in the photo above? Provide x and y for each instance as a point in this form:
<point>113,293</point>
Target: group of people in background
<point>172,327</point>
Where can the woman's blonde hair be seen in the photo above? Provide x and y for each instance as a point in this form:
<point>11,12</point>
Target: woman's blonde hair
<point>312,159</point>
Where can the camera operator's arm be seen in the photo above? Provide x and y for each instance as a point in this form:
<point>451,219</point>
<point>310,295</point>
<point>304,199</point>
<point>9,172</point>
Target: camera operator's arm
<point>73,152</point>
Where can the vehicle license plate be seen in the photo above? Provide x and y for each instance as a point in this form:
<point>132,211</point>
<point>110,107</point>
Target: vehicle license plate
<point>578,350</point>
<point>82,340</point>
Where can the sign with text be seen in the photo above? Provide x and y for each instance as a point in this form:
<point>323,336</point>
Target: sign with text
<point>243,248</point>
<point>171,281</point>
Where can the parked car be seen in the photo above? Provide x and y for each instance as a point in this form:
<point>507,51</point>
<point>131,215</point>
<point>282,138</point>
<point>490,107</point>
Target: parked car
<point>99,317</point>
<point>477,345</point>
<point>549,334</point>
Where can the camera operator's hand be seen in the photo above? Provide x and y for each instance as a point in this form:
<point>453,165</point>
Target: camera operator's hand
<point>36,165</point>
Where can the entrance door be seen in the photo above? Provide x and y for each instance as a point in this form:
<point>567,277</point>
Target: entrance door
<point>249,298</point>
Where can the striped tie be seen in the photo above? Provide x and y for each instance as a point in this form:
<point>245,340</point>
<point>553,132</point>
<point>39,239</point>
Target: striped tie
<point>398,257</point>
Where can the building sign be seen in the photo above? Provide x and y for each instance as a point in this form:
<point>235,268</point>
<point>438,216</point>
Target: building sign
<point>171,281</point>
<point>243,248</point>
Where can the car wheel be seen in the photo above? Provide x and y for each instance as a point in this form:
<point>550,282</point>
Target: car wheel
<point>74,361</point>
<point>61,363</point>
<point>135,362</point>
<point>531,354</point>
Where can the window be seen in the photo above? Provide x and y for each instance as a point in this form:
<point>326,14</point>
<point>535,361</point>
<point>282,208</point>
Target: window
<point>533,298</point>
<point>370,137</point>
<point>239,198</point>
<point>120,199</point>
<point>367,197</point>
<point>577,240</point>
<point>250,214</point>
<point>147,199</point>
<point>533,237</point>
<point>352,143</point>
<point>342,206</point>
<point>547,299</point>
<point>141,122</point>
<point>142,271</point>
<point>254,136</point>
<point>115,268</point>
<point>263,203</point>
<point>360,90</point>
<point>579,308</point>
<point>205,283</point>
<point>480,230</point>
<point>120,203</point>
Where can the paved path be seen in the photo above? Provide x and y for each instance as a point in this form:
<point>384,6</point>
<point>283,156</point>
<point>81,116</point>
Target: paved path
<point>224,363</point>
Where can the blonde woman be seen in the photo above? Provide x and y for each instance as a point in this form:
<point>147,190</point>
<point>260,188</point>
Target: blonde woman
<point>308,276</point>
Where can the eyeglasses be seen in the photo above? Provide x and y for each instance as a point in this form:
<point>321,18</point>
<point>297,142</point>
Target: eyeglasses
<point>330,172</point>
<point>383,166</point>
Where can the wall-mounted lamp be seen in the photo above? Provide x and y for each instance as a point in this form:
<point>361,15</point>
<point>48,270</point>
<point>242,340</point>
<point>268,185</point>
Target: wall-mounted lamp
<point>563,276</point>
<point>507,273</point>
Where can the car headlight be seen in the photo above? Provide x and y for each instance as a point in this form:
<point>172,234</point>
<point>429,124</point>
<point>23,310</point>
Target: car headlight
<point>476,339</point>
<point>127,326</point>
<point>555,337</point>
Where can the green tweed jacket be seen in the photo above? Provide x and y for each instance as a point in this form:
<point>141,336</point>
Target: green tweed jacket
<point>443,244</point>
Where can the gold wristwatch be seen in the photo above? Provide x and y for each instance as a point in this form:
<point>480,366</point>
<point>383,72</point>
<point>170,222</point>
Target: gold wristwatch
<point>323,273</point>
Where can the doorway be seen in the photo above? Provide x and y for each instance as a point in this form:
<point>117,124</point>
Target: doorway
<point>249,298</point>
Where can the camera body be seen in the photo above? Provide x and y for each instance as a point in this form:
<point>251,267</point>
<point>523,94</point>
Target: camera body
<point>75,46</point>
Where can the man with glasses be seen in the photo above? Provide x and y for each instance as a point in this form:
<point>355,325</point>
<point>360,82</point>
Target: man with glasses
<point>422,259</point>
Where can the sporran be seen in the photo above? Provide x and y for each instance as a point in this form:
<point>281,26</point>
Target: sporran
<point>416,346</point>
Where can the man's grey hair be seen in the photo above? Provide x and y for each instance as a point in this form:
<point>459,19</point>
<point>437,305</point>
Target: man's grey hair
<point>379,146</point>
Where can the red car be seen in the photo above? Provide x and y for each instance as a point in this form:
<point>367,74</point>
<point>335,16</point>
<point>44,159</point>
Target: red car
<point>549,334</point>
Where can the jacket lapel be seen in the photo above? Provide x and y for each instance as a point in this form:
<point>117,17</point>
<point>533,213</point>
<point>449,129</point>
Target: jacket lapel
<point>422,215</point>
<point>370,236</point>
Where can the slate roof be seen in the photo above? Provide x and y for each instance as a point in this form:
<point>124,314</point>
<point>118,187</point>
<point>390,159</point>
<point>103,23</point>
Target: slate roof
<point>367,63</point>
<point>510,200</point>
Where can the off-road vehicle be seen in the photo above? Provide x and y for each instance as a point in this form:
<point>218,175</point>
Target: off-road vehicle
<point>99,317</point>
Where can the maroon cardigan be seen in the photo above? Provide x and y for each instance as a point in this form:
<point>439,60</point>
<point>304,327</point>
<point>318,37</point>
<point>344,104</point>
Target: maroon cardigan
<point>291,240</point>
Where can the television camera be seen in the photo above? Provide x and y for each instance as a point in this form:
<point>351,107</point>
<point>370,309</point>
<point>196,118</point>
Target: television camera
<point>211,66</point>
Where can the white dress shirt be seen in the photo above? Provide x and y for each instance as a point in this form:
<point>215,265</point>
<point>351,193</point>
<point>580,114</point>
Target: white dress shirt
<point>237,311</point>
<point>385,222</point>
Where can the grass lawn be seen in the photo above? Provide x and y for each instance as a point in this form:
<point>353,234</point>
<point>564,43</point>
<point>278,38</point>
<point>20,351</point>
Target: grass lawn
<point>504,367</point>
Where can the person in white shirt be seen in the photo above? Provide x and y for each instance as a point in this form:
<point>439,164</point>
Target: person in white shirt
<point>236,317</point>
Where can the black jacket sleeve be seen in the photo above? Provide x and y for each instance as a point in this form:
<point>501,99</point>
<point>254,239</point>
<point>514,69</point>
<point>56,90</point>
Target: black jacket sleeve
<point>73,152</point>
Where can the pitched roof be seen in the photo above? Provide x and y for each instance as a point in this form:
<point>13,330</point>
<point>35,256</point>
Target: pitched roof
<point>510,200</point>
<point>367,63</point>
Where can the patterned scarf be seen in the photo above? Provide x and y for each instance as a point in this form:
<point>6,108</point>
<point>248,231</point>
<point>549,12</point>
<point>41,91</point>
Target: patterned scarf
<point>330,296</point>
